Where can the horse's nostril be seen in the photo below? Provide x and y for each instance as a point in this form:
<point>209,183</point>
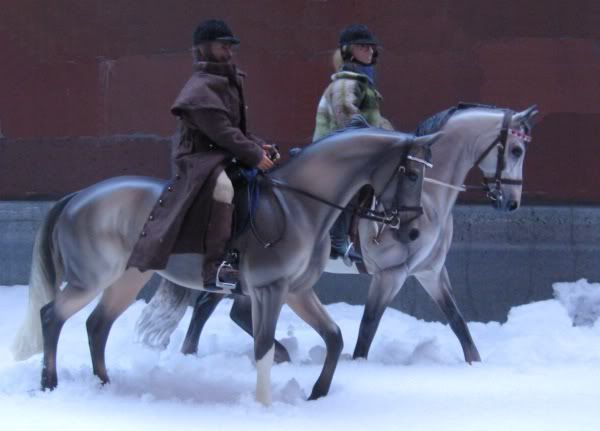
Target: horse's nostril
<point>413,234</point>
<point>512,205</point>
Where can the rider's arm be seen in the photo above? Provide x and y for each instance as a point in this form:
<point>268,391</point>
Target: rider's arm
<point>346,97</point>
<point>216,124</point>
<point>384,123</point>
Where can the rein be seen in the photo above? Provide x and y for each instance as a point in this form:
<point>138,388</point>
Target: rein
<point>392,220</point>
<point>379,216</point>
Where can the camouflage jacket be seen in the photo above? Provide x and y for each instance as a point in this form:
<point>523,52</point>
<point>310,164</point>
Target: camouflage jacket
<point>349,93</point>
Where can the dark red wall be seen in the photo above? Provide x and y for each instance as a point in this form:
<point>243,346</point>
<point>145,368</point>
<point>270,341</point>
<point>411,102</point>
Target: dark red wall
<point>85,86</point>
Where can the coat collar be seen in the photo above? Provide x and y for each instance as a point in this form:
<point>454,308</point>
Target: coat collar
<point>351,70</point>
<point>222,69</point>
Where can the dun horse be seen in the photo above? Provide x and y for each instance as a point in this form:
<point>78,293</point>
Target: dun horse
<point>87,237</point>
<point>495,140</point>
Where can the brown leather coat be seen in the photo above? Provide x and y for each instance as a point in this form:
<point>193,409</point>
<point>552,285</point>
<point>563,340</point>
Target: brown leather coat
<point>212,116</point>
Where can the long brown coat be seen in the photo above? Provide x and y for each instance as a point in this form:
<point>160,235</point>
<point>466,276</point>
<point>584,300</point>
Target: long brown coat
<point>212,116</point>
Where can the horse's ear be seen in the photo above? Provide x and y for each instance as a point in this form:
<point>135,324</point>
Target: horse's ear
<point>527,117</point>
<point>428,140</point>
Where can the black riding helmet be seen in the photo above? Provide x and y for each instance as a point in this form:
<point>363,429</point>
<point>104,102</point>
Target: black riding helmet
<point>214,30</point>
<point>357,34</point>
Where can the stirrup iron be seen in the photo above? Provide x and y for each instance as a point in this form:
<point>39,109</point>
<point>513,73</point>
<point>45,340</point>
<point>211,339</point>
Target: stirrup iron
<point>228,287</point>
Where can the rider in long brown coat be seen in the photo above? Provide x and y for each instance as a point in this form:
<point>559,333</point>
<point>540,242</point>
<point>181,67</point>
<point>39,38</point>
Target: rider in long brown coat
<point>194,212</point>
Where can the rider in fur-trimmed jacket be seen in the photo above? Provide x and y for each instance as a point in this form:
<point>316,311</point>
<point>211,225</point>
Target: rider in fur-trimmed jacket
<point>351,91</point>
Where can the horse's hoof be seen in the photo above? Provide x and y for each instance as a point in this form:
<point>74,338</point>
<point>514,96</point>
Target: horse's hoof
<point>49,383</point>
<point>281,355</point>
<point>317,393</point>
<point>103,377</point>
<point>473,356</point>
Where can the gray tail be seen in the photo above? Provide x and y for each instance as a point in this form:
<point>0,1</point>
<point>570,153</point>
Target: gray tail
<point>162,315</point>
<point>44,282</point>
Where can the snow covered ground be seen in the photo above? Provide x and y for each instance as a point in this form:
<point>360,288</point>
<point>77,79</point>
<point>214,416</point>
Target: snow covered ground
<point>539,372</point>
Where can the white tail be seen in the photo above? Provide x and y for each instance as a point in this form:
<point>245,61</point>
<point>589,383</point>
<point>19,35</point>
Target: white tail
<point>162,315</point>
<point>43,285</point>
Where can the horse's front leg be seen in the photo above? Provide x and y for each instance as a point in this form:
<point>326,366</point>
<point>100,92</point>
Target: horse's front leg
<point>266,306</point>
<point>385,285</point>
<point>241,314</point>
<point>307,305</point>
<point>437,285</point>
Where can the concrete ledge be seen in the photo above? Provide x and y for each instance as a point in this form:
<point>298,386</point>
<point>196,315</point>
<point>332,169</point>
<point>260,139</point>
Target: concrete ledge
<point>496,261</point>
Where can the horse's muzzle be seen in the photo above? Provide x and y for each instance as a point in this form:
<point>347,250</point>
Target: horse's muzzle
<point>413,234</point>
<point>505,205</point>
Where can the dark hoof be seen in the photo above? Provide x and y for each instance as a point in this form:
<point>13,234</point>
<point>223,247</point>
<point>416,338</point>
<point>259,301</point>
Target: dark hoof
<point>359,356</point>
<point>281,354</point>
<point>49,382</point>
<point>316,394</point>
<point>472,356</point>
<point>103,377</point>
<point>188,350</point>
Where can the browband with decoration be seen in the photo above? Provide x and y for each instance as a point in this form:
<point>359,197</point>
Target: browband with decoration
<point>524,136</point>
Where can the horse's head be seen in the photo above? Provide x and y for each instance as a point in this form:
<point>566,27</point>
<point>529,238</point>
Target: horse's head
<point>502,160</point>
<point>402,194</point>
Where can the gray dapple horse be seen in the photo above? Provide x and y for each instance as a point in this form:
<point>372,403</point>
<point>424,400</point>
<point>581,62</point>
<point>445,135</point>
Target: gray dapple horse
<point>493,139</point>
<point>87,237</point>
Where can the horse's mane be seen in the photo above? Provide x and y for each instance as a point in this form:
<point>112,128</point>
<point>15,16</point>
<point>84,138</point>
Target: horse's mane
<point>436,122</point>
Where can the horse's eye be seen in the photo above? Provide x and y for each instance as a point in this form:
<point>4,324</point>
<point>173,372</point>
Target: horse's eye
<point>517,151</point>
<point>412,176</point>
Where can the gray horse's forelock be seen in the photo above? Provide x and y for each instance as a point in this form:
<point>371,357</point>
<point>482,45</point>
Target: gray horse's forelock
<point>162,315</point>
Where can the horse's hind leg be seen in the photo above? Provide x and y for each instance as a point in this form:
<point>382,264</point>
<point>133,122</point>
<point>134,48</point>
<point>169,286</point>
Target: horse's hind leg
<point>113,303</point>
<point>266,306</point>
<point>438,286</point>
<point>306,304</point>
<point>203,308</point>
<point>385,285</point>
<point>53,316</point>
<point>241,314</point>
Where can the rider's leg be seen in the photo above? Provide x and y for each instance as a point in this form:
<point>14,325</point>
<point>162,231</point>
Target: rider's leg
<point>340,243</point>
<point>219,228</point>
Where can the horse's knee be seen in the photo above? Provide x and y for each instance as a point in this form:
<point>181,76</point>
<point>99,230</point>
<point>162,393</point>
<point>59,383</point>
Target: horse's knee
<point>334,340</point>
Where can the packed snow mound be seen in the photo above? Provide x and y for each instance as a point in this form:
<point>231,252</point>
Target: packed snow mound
<point>581,299</point>
<point>538,372</point>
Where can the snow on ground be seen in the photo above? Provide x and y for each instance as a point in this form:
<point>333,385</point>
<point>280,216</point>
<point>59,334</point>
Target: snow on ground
<point>539,372</point>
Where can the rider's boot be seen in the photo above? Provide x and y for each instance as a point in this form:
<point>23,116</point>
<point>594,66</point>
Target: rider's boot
<point>217,235</point>
<point>340,244</point>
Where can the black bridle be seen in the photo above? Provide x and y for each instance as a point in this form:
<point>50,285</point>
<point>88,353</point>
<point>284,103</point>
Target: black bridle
<point>501,144</point>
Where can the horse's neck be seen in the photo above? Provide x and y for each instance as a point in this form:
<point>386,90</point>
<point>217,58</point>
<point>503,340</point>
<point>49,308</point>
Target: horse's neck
<point>455,154</point>
<point>335,174</point>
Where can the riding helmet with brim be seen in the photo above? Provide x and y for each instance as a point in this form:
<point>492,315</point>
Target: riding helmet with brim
<point>356,34</point>
<point>214,30</point>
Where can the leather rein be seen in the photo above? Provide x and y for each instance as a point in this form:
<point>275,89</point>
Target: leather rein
<point>390,218</point>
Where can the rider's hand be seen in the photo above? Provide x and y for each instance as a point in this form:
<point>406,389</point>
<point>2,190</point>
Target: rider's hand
<point>266,163</point>
<point>273,151</point>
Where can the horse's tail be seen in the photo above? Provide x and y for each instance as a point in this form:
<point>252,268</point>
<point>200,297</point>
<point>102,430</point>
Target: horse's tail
<point>44,282</point>
<point>162,315</point>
